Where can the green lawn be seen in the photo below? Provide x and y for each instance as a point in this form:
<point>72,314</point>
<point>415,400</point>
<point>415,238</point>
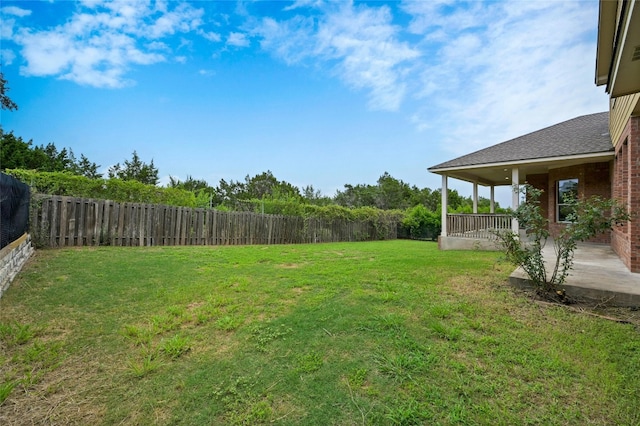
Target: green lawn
<point>392,332</point>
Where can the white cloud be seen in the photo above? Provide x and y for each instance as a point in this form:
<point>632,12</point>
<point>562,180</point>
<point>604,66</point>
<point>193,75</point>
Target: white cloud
<point>207,73</point>
<point>434,19</point>
<point>481,72</point>
<point>158,45</point>
<point>360,43</point>
<point>237,40</point>
<point>299,4</point>
<point>291,40</point>
<point>210,35</point>
<point>478,72</point>
<point>103,39</point>
<point>7,56</point>
<point>15,11</point>
<point>183,18</point>
<point>6,29</point>
<point>510,69</point>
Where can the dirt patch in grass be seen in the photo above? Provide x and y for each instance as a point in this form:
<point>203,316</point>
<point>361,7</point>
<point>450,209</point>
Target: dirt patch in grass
<point>68,395</point>
<point>289,266</point>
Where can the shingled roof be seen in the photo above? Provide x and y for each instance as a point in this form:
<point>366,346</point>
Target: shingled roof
<point>588,134</point>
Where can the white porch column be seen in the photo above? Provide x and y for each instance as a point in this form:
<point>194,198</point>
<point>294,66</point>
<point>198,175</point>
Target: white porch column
<point>515,197</point>
<point>445,201</point>
<point>492,203</point>
<point>475,197</point>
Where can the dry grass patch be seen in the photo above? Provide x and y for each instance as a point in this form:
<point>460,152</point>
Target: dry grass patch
<point>69,394</point>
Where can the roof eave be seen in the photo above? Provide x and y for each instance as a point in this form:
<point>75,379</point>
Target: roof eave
<point>606,33</point>
<point>625,68</point>
<point>607,155</point>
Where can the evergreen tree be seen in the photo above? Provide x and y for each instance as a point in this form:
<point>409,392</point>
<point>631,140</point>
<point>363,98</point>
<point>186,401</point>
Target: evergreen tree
<point>5,100</point>
<point>135,169</point>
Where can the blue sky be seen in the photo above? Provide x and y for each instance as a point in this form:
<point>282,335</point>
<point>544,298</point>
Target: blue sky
<point>321,93</point>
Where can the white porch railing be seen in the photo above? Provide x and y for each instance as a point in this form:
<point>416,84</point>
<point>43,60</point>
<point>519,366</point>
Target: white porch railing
<point>477,225</point>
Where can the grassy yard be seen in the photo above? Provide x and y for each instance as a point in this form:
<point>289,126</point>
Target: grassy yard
<point>392,332</point>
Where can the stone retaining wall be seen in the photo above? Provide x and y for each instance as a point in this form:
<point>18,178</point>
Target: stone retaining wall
<point>12,258</point>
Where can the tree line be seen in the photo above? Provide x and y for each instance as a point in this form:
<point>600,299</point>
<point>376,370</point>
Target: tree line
<point>388,193</point>
<point>420,206</point>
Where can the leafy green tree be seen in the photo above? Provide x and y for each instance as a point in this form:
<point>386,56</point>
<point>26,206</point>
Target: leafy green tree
<point>86,168</point>
<point>357,196</point>
<point>590,217</point>
<point>259,187</point>
<point>314,196</point>
<point>266,185</point>
<point>190,184</point>
<point>200,187</point>
<point>230,192</point>
<point>5,100</point>
<point>423,197</point>
<point>135,169</point>
<point>392,193</point>
<point>14,152</point>
<point>52,160</point>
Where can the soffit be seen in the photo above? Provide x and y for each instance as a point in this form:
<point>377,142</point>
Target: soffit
<point>624,76</point>
<point>606,33</point>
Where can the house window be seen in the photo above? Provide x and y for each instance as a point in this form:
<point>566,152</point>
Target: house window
<point>567,191</point>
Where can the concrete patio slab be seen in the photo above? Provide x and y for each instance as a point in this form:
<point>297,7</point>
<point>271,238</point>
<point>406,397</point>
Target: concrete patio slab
<point>598,275</point>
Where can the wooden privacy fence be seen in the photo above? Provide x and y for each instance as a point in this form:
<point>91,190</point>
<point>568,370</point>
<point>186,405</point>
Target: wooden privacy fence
<point>58,221</point>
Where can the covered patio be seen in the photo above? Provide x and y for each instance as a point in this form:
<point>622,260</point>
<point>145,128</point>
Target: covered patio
<point>462,231</point>
<point>579,149</point>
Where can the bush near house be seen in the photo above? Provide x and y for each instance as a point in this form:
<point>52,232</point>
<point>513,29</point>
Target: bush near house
<point>588,218</point>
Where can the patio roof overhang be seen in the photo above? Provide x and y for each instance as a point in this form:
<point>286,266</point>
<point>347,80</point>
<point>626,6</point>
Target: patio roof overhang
<point>500,173</point>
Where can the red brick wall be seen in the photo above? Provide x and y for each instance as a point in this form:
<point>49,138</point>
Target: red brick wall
<point>593,179</point>
<point>625,240</point>
<point>541,181</point>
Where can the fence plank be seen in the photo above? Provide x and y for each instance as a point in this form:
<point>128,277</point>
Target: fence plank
<point>53,223</point>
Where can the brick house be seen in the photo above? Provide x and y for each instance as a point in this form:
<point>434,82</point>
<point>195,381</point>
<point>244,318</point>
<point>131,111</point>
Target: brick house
<point>596,154</point>
<point>618,69</point>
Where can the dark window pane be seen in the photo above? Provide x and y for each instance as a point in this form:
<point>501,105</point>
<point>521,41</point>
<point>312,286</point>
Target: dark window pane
<point>567,192</point>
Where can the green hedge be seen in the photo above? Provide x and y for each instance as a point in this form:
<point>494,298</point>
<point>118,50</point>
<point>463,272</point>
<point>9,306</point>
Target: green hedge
<point>63,183</point>
<point>383,220</point>
<point>333,211</point>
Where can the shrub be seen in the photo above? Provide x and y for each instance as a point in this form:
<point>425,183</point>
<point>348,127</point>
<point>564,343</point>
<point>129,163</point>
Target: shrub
<point>421,223</point>
<point>590,217</point>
